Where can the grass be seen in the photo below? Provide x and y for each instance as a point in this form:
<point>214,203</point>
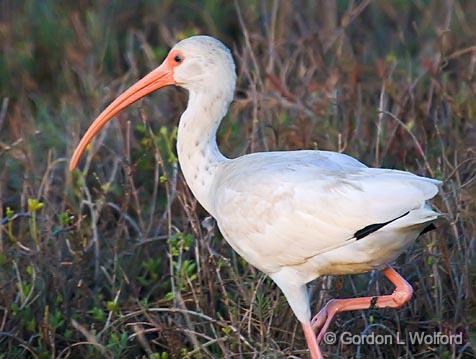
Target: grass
<point>118,259</point>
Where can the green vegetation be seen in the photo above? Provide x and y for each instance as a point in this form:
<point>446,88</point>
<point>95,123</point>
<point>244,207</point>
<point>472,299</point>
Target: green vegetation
<point>117,260</point>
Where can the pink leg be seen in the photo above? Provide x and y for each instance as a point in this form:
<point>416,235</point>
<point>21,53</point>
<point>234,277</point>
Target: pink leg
<point>402,294</point>
<point>312,341</point>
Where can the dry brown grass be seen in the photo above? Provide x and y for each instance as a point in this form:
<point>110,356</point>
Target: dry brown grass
<point>118,259</point>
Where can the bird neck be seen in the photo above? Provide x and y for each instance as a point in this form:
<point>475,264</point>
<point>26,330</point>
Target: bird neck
<point>197,148</point>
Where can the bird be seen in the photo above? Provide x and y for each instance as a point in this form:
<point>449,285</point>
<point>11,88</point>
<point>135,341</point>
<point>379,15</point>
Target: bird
<point>294,215</point>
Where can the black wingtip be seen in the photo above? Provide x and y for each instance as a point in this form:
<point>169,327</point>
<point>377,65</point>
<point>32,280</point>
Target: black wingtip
<point>428,228</point>
<point>361,233</point>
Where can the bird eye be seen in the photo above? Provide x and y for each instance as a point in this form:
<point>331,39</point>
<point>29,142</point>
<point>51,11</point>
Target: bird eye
<point>178,58</point>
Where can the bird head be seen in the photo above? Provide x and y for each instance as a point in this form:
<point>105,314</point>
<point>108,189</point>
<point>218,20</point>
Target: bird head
<point>203,61</point>
<point>198,64</point>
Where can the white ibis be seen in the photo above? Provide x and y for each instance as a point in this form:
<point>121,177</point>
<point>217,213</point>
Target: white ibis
<point>294,215</point>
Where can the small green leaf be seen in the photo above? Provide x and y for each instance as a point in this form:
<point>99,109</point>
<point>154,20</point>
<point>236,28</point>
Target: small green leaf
<point>34,205</point>
<point>31,325</point>
<point>29,270</point>
<point>64,218</point>
<point>112,306</point>
<point>9,212</point>
<point>169,296</point>
<point>15,309</point>
<point>98,314</point>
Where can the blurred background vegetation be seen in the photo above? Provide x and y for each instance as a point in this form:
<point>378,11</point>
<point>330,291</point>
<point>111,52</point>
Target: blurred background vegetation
<point>117,260</point>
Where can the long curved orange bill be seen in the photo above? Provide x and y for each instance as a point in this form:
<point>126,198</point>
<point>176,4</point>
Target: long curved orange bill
<point>160,77</point>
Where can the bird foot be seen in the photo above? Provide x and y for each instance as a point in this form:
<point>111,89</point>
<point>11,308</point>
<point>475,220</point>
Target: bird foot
<point>321,322</point>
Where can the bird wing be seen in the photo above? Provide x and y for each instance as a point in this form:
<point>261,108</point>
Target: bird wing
<point>288,206</point>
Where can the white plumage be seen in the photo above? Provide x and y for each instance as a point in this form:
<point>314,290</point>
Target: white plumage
<point>297,213</point>
<point>294,215</point>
